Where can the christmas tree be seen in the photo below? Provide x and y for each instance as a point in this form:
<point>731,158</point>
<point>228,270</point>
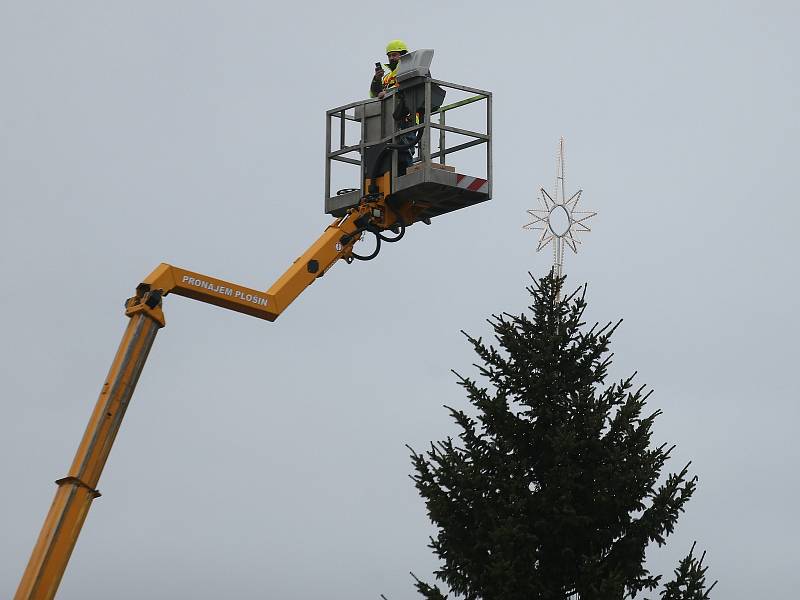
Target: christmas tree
<point>553,489</point>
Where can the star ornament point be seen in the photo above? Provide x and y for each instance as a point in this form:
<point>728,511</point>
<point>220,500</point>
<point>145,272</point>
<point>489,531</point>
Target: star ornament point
<point>559,220</point>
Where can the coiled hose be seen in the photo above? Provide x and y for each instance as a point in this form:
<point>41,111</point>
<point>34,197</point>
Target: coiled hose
<point>379,237</point>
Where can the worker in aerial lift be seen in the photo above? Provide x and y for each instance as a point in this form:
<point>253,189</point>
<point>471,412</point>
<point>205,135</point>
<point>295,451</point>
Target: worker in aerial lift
<point>385,81</point>
<point>381,83</point>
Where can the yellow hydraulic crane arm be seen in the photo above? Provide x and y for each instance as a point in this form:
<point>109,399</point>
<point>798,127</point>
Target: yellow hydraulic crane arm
<point>269,304</point>
<point>78,489</point>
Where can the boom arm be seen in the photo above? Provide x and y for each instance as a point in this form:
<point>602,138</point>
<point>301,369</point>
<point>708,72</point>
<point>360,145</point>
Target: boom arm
<point>77,490</point>
<point>322,254</point>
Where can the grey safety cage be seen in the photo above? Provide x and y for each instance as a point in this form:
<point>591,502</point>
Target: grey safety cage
<point>429,180</point>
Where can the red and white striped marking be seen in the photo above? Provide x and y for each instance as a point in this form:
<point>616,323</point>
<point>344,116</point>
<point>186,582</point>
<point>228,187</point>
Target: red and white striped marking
<point>473,184</point>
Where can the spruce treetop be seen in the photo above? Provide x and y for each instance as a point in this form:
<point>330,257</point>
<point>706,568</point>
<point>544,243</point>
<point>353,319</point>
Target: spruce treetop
<point>553,486</point>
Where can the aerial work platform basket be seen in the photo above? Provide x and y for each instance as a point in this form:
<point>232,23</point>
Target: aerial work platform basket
<point>432,185</point>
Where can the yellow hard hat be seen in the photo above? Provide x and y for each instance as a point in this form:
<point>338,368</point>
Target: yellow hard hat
<point>396,46</point>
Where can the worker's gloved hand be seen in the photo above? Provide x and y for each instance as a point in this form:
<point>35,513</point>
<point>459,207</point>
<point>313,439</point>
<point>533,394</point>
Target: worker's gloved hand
<point>378,74</point>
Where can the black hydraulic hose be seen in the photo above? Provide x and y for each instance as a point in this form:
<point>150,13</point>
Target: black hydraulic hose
<point>374,252</point>
<point>397,237</point>
<point>378,238</point>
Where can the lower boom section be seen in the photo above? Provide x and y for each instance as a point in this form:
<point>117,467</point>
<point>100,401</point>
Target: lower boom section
<point>77,490</point>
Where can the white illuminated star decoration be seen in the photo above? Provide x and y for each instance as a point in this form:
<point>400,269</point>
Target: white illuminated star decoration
<point>559,221</point>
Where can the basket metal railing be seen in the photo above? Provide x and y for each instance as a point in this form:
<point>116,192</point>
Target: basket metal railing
<point>340,151</point>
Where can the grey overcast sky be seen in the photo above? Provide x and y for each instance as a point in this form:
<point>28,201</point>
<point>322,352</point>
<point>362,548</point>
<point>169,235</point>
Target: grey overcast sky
<point>267,460</point>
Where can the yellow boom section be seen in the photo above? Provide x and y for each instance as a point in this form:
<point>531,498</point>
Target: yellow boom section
<point>77,490</point>
<point>167,279</point>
